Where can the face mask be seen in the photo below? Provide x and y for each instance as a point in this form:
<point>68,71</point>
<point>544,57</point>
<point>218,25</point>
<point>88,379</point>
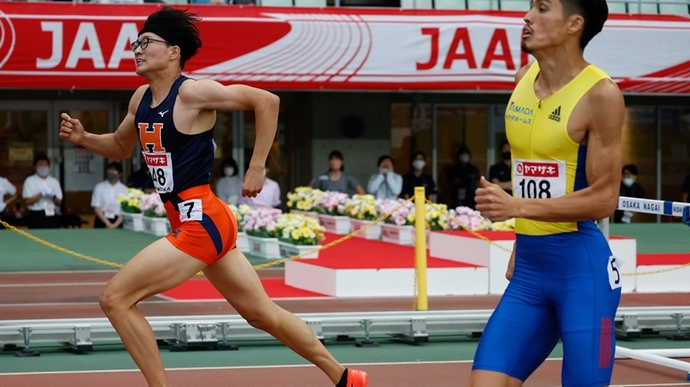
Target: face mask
<point>112,176</point>
<point>265,172</point>
<point>464,158</point>
<point>418,164</point>
<point>505,155</point>
<point>385,170</point>
<point>628,181</point>
<point>228,171</point>
<point>43,172</point>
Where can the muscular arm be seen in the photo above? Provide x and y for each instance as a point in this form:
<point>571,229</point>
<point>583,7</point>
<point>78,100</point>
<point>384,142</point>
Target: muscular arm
<point>117,145</point>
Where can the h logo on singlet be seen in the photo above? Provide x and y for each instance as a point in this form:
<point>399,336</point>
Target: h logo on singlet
<point>150,137</point>
<point>556,115</point>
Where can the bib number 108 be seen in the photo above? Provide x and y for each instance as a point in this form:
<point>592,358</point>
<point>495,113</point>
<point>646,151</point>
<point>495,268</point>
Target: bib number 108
<point>532,189</point>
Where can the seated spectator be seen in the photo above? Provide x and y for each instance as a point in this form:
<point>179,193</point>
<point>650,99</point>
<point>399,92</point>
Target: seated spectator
<point>43,195</point>
<point>269,197</point>
<point>386,184</point>
<point>417,178</point>
<point>229,187</point>
<point>141,179</point>
<point>7,188</point>
<point>335,179</point>
<point>500,172</point>
<point>631,189</point>
<point>104,198</point>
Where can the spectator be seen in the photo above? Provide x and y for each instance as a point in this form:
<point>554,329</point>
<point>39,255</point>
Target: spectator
<point>104,198</point>
<point>6,188</point>
<point>269,197</point>
<point>386,184</point>
<point>685,190</point>
<point>42,193</point>
<point>631,189</point>
<point>229,187</point>
<point>417,178</point>
<point>463,179</point>
<point>141,179</point>
<point>335,179</point>
<point>500,172</point>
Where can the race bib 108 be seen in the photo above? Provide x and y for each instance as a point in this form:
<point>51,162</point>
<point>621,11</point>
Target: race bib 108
<point>161,168</point>
<point>537,179</point>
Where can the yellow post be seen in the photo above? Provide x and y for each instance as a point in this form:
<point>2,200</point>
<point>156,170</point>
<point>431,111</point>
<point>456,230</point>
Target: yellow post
<point>420,247</point>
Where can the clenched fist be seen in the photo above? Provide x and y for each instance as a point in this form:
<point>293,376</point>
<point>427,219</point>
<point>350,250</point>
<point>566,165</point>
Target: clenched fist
<point>71,129</point>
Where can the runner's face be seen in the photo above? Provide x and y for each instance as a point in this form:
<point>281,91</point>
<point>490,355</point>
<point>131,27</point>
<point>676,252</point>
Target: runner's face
<point>544,26</point>
<point>155,56</point>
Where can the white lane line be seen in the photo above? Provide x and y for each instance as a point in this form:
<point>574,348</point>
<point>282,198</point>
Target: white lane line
<point>10,273</point>
<point>52,284</point>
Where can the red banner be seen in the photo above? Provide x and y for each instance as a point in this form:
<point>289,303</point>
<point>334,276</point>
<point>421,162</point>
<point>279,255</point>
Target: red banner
<point>86,46</point>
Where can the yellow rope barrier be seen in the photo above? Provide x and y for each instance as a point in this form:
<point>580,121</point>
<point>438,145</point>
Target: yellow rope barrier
<point>261,266</point>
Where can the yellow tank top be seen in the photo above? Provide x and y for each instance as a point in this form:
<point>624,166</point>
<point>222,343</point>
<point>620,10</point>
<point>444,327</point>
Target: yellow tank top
<point>547,163</point>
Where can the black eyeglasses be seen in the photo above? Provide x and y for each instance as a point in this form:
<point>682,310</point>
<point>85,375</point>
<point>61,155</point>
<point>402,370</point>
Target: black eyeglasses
<point>144,42</point>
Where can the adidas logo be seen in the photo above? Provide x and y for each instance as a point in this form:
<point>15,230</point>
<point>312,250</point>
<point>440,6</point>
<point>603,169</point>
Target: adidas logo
<point>556,115</point>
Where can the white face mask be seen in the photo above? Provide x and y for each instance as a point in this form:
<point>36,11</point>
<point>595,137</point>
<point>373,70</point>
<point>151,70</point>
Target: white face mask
<point>465,158</point>
<point>385,170</point>
<point>628,181</point>
<point>265,172</point>
<point>43,171</point>
<point>418,164</point>
<point>228,171</point>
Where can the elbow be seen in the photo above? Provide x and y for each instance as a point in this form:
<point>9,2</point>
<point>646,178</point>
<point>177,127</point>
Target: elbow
<point>606,204</point>
<point>270,101</point>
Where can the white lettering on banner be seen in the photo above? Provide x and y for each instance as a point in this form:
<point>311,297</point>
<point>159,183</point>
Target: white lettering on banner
<point>122,49</point>
<point>498,43</point>
<point>56,55</point>
<point>539,179</point>
<point>86,34</point>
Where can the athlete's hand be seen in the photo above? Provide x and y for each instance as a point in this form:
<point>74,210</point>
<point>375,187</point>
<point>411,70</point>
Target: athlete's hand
<point>71,129</point>
<point>253,182</point>
<point>493,202</point>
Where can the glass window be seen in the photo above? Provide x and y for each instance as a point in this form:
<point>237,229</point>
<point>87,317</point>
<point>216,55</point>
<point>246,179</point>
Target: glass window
<point>23,135</point>
<point>456,126</point>
<point>675,151</point>
<point>411,131</point>
<point>639,148</point>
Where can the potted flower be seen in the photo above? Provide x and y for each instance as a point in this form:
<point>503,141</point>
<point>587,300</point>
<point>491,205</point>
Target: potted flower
<point>240,212</point>
<point>362,209</point>
<point>399,226</point>
<point>131,209</point>
<point>465,218</point>
<point>155,217</point>
<point>303,201</point>
<point>299,234</point>
<point>260,226</point>
<point>506,225</point>
<point>331,207</point>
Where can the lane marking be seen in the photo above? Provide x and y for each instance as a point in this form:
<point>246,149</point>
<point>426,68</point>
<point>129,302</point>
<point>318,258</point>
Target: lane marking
<point>43,284</point>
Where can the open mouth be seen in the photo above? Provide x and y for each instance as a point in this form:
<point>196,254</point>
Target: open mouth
<point>526,32</point>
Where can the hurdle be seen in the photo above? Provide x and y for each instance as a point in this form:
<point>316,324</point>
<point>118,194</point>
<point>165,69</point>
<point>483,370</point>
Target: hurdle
<point>662,357</point>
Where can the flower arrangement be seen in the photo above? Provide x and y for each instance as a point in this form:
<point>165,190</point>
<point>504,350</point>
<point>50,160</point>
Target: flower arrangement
<point>299,230</point>
<point>466,218</point>
<point>152,206</point>
<point>261,222</point>
<point>404,216</point>
<point>362,207</point>
<point>131,201</point>
<point>332,203</point>
<point>240,213</point>
<point>506,225</point>
<point>303,198</point>
<point>437,216</point>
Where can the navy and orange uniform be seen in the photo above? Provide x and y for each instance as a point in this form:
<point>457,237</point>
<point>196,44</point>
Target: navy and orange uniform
<point>566,283</point>
<point>180,165</point>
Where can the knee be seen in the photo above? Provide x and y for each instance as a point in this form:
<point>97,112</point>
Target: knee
<point>110,304</point>
<point>264,320</point>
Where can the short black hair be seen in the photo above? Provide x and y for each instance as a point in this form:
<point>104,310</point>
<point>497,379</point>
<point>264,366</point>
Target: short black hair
<point>114,165</point>
<point>41,157</point>
<point>229,162</point>
<point>337,155</point>
<point>594,13</point>
<point>463,148</point>
<point>503,143</point>
<point>385,157</point>
<point>631,168</point>
<point>178,28</point>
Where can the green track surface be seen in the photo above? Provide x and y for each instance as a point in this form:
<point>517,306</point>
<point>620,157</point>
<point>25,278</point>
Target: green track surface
<point>656,238</point>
